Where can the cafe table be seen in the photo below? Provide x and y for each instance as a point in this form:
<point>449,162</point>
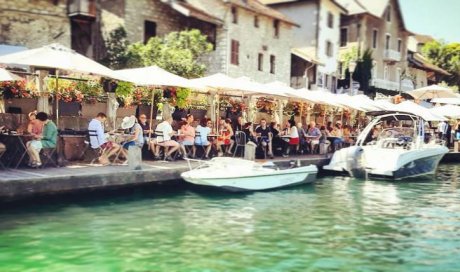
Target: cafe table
<point>16,149</point>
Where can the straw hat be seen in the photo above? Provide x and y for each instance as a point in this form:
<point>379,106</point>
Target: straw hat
<point>128,122</point>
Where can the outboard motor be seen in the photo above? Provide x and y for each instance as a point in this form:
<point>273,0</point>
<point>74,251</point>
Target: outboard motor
<point>355,165</point>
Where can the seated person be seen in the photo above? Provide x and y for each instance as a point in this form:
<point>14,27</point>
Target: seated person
<point>264,135</point>
<point>130,123</point>
<point>34,127</point>
<point>48,139</point>
<point>147,130</point>
<point>100,141</point>
<point>338,134</point>
<point>225,135</point>
<point>204,129</point>
<point>186,136</point>
<point>291,131</point>
<point>2,148</point>
<point>314,134</point>
<point>302,138</point>
<point>165,140</point>
<point>249,132</point>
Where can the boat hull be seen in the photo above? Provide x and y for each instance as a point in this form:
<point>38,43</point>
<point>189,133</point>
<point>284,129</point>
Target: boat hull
<point>262,181</point>
<point>386,163</point>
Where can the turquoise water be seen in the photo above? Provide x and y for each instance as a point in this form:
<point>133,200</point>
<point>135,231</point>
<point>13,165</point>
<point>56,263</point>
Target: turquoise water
<point>337,224</point>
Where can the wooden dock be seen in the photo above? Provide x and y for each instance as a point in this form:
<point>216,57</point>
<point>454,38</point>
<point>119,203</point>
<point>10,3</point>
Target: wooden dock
<point>25,182</point>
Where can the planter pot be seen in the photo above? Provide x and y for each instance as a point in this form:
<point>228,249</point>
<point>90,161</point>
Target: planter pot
<point>21,105</point>
<point>90,110</point>
<point>69,108</point>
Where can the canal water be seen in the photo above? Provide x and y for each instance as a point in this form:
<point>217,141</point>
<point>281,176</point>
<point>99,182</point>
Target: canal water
<point>337,224</point>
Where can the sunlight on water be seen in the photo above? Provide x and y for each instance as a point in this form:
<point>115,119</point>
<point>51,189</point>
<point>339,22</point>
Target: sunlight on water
<point>337,224</point>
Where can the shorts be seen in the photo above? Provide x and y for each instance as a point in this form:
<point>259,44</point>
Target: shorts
<point>107,145</point>
<point>37,145</point>
<point>168,143</point>
<point>128,144</point>
<point>187,143</point>
<point>265,139</point>
<point>294,141</point>
<point>203,143</point>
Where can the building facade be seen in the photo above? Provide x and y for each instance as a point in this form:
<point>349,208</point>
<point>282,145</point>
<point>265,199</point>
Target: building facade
<point>378,26</point>
<point>315,43</point>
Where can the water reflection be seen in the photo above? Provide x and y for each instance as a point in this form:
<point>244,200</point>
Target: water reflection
<point>337,224</point>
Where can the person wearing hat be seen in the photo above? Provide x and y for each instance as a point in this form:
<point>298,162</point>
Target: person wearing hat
<point>34,127</point>
<point>48,139</point>
<point>135,130</point>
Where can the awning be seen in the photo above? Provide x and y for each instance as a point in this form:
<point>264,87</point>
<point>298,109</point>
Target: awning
<point>307,53</point>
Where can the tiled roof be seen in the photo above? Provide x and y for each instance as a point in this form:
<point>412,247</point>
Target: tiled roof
<point>307,53</point>
<point>421,62</point>
<point>189,10</point>
<point>257,7</point>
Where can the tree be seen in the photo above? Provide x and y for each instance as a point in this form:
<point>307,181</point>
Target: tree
<point>363,71</point>
<point>117,45</point>
<point>178,52</point>
<point>446,56</point>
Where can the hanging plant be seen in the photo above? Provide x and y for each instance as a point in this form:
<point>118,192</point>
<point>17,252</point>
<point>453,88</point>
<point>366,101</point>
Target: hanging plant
<point>182,95</point>
<point>67,90</point>
<point>18,89</point>
<point>124,93</point>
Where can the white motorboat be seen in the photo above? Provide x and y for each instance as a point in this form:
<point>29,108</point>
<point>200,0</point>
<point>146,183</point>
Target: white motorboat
<point>234,174</point>
<point>392,146</point>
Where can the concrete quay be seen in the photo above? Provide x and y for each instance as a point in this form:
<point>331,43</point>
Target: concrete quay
<point>25,183</point>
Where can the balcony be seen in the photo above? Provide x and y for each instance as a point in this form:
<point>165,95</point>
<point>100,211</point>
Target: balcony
<point>406,85</point>
<point>391,55</point>
<point>82,8</point>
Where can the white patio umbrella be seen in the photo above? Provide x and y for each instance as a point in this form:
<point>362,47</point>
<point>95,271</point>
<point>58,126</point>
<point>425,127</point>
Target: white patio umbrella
<point>59,57</point>
<point>156,76</point>
<point>451,101</point>
<point>432,91</point>
<point>6,75</point>
<point>411,107</point>
<point>449,111</point>
<point>223,84</point>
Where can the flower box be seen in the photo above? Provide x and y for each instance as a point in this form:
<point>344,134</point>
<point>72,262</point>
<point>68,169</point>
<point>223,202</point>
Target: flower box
<point>69,108</point>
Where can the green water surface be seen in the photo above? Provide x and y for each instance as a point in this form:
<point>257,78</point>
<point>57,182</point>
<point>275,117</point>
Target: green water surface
<point>337,224</point>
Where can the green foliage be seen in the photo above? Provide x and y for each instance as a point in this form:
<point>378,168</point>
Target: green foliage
<point>363,71</point>
<point>124,89</point>
<point>117,45</point>
<point>182,95</point>
<point>446,56</point>
<point>177,52</point>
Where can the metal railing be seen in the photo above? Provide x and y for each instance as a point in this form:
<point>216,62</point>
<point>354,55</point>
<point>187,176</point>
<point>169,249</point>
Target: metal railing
<point>391,55</point>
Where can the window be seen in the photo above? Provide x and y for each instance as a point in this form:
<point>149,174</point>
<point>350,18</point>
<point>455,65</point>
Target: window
<point>272,64</point>
<point>234,15</point>
<point>235,51</point>
<point>330,20</point>
<point>387,41</point>
<point>329,52</point>
<point>326,81</point>
<point>375,34</point>
<point>260,62</point>
<point>358,31</point>
<point>399,45</point>
<point>388,14</point>
<point>256,21</point>
<point>150,30</point>
<point>343,36</point>
<point>276,28</point>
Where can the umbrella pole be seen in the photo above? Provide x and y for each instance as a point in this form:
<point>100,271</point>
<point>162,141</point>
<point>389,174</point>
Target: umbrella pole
<point>56,100</point>
<point>151,118</point>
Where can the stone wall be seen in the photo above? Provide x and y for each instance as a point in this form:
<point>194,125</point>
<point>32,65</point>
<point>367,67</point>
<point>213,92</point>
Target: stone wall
<point>34,23</point>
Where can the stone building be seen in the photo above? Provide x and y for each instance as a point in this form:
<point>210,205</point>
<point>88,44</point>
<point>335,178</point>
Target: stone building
<point>379,26</point>
<point>249,38</point>
<point>316,41</point>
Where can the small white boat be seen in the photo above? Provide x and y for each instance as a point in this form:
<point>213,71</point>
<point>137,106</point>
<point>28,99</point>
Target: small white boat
<point>234,174</point>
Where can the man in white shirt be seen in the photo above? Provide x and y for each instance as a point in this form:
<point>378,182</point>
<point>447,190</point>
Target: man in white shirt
<point>99,141</point>
<point>442,129</point>
<point>165,140</point>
